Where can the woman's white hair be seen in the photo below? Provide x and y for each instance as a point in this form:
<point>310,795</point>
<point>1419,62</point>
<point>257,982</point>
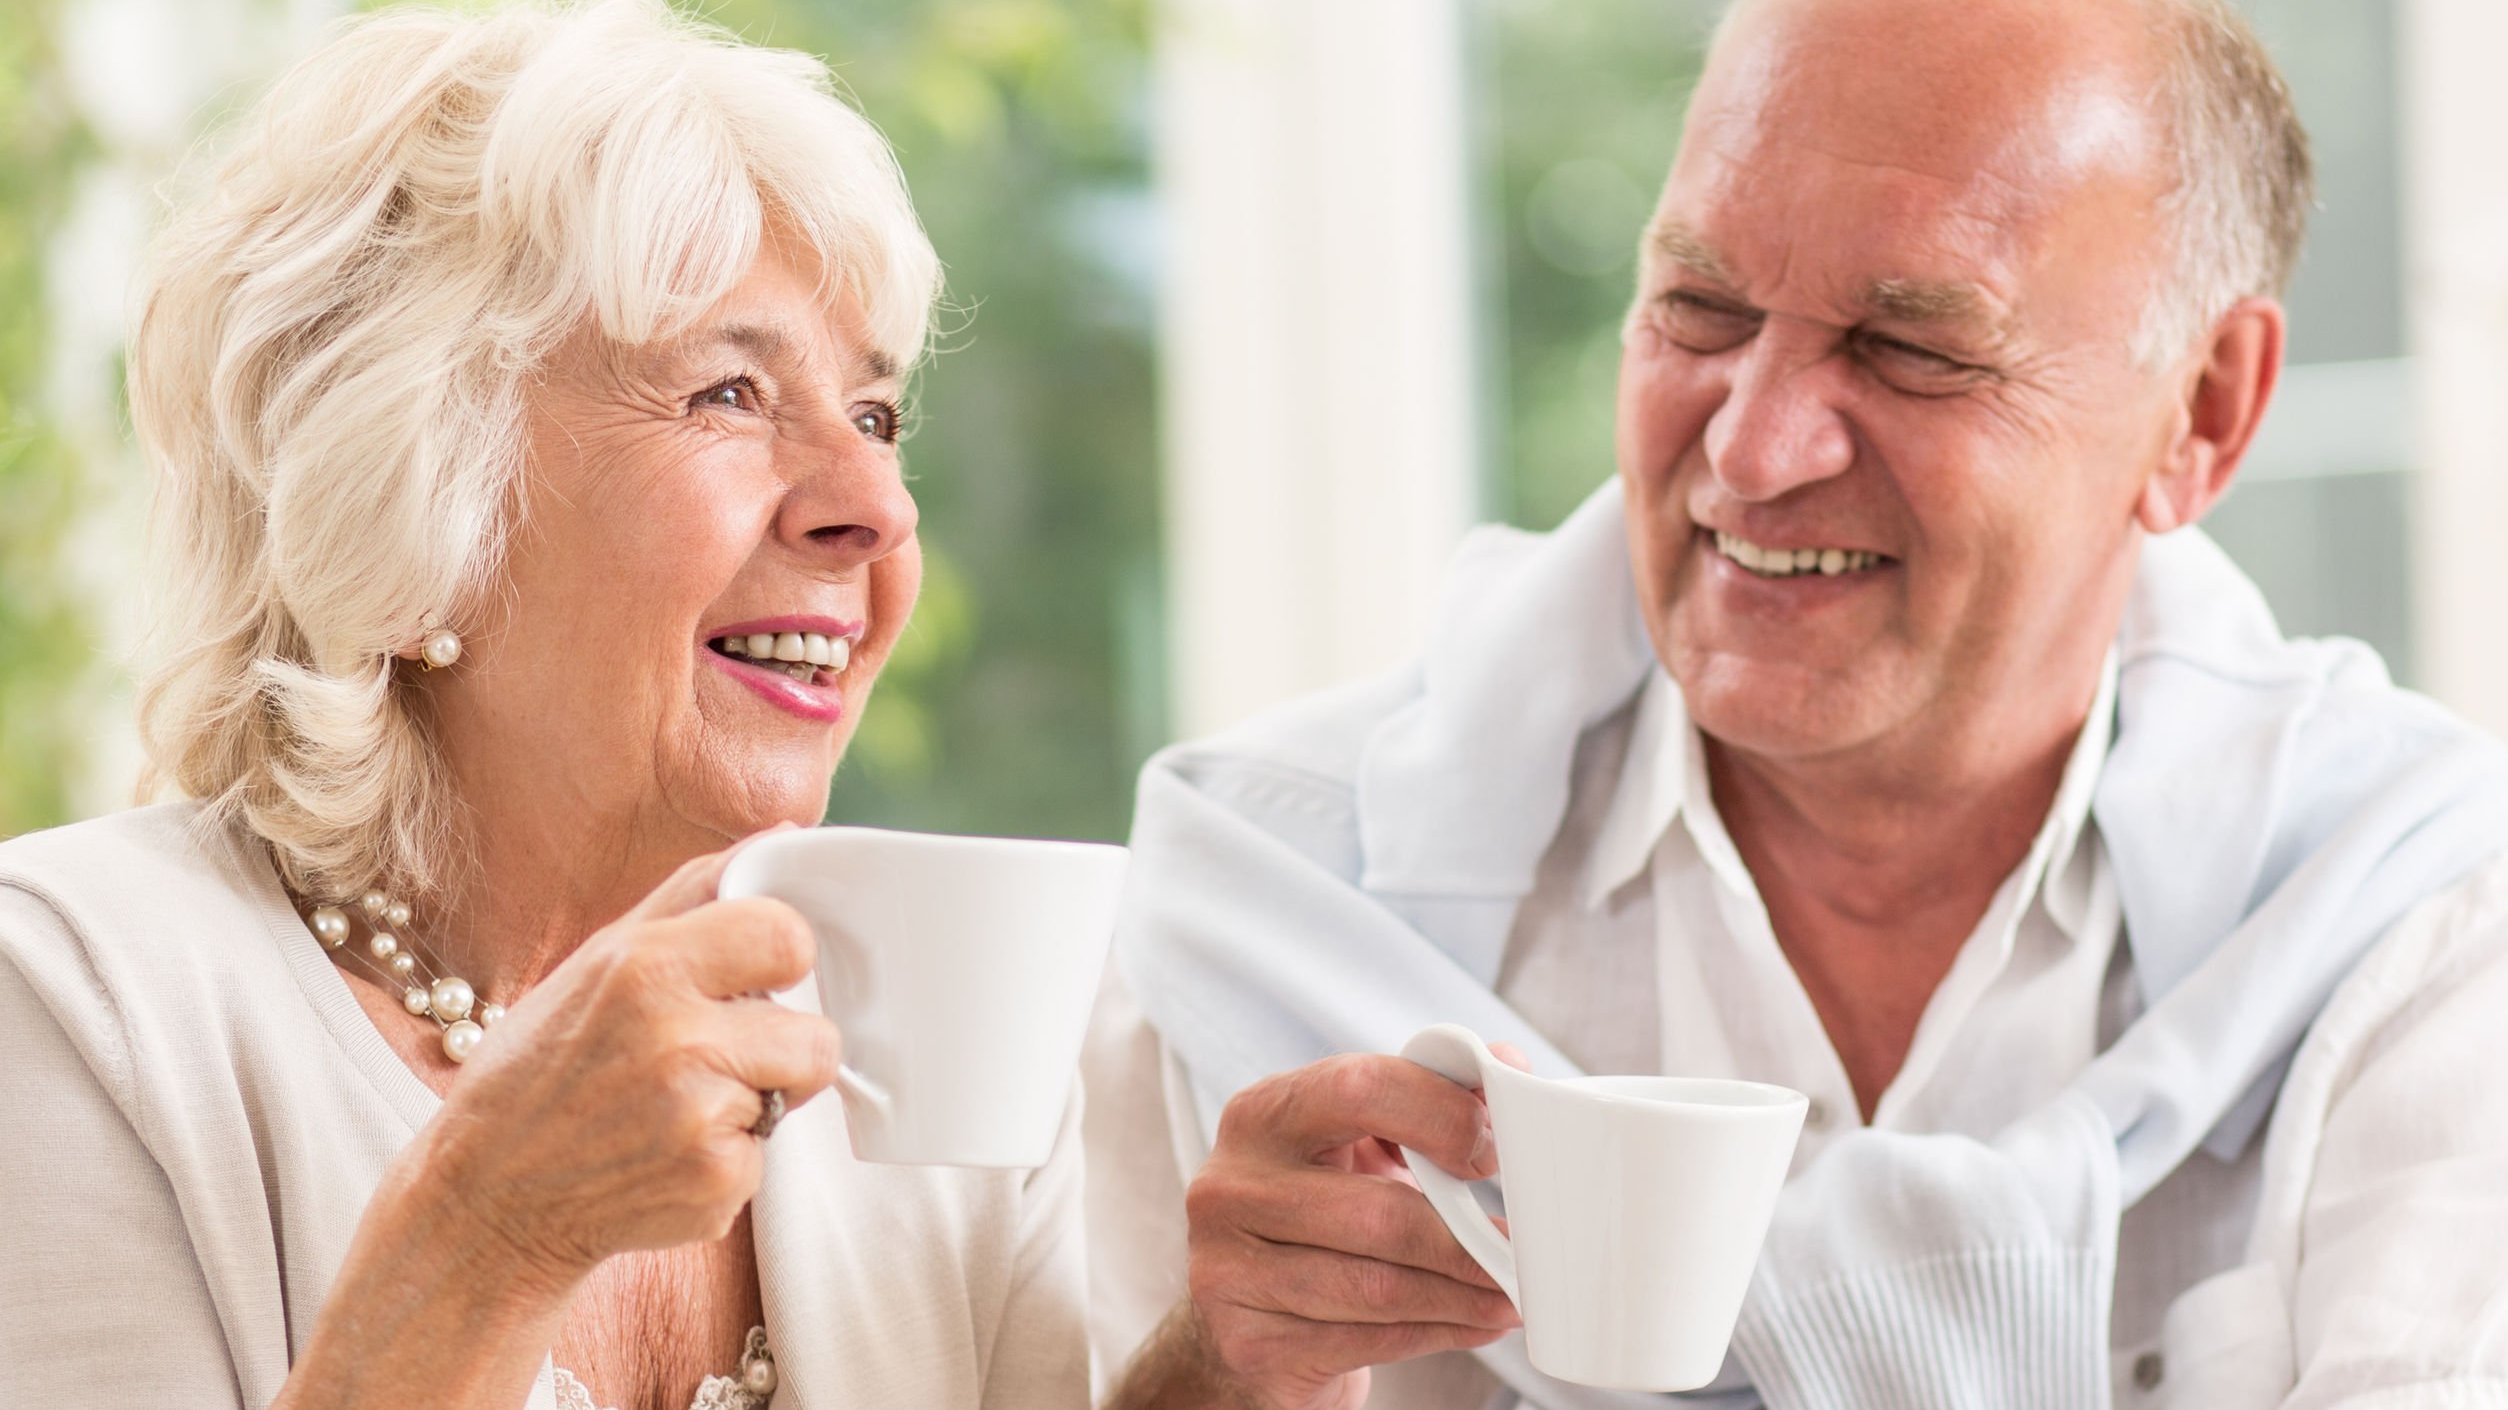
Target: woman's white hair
<point>333,346</point>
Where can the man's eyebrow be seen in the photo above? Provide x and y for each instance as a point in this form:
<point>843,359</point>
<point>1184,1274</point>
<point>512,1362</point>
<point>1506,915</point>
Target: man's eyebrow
<point>1929,301</point>
<point>1677,244</point>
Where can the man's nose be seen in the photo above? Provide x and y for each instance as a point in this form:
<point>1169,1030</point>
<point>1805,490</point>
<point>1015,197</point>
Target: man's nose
<point>1779,428</point>
<point>848,506</point>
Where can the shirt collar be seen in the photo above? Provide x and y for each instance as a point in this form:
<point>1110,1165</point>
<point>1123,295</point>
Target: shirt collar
<point>1665,767</point>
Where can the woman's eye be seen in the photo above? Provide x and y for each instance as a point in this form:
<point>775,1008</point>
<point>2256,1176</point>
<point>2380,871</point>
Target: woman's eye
<point>738,394</point>
<point>877,421</point>
<point>1704,325</point>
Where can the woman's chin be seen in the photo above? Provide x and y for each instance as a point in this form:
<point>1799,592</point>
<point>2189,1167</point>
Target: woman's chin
<point>735,792</point>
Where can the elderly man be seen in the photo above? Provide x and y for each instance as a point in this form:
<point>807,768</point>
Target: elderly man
<point>1933,766</point>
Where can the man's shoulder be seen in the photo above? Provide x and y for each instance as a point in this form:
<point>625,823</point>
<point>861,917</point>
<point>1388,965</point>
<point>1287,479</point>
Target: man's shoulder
<point>1317,742</point>
<point>2443,951</point>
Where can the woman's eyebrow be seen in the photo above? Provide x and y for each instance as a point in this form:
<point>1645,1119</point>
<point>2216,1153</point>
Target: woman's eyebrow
<point>769,343</point>
<point>762,341</point>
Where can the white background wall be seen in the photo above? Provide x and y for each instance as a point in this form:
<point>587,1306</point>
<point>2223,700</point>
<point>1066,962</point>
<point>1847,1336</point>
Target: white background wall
<point>1317,326</point>
<point>2456,208</point>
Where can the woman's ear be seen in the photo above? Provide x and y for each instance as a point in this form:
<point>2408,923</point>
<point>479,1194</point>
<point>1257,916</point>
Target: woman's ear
<point>2224,403</point>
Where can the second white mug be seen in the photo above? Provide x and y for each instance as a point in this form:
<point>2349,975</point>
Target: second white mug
<point>1635,1210</point>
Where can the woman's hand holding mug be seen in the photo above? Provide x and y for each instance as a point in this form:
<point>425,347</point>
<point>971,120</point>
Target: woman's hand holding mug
<point>612,1109</point>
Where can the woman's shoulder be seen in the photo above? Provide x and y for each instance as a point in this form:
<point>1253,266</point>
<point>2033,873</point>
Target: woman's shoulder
<point>165,849</point>
<point>133,911</point>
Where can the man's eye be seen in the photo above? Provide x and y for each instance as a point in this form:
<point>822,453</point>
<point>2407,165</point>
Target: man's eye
<point>1914,369</point>
<point>878,421</point>
<point>738,394</point>
<point>1704,325</point>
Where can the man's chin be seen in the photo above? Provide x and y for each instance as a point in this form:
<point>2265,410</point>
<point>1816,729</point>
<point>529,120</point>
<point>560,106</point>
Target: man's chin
<point>1777,710</point>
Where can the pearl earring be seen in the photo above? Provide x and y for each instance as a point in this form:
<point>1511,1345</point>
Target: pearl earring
<point>443,647</point>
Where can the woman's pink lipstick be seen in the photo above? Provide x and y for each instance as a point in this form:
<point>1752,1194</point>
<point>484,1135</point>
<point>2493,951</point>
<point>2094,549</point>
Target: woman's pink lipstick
<point>822,703</point>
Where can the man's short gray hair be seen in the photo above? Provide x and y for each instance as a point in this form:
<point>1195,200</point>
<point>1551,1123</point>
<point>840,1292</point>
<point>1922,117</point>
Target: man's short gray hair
<point>2237,209</point>
<point>2238,212</point>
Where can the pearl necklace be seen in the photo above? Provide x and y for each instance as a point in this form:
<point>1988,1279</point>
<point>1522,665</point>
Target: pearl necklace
<point>428,991</point>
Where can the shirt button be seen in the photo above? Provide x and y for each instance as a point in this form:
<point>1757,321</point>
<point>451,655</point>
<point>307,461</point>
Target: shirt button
<point>2148,1369</point>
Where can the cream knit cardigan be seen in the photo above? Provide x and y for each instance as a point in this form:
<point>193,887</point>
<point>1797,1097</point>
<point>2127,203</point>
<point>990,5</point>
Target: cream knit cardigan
<point>194,1111</point>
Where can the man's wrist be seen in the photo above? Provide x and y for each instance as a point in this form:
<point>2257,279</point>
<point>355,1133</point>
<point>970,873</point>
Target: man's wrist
<point>1179,1368</point>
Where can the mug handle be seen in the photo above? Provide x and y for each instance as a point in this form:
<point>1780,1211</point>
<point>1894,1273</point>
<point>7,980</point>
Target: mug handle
<point>862,1091</point>
<point>1457,1054</point>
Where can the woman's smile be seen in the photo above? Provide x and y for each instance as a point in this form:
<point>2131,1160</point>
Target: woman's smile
<point>797,664</point>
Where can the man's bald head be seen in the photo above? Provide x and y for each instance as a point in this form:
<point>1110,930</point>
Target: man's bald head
<point>2179,93</point>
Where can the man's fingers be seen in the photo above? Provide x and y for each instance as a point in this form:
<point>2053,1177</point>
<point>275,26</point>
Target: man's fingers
<point>1259,1345</point>
<point>1329,1104</point>
<point>1323,1286</point>
<point>1368,1216</point>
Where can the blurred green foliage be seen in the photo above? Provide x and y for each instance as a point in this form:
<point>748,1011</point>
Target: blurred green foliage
<point>44,647</point>
<point>1582,110</point>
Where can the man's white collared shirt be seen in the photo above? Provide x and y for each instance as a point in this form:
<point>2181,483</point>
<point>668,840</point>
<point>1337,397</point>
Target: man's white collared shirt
<point>1645,946</point>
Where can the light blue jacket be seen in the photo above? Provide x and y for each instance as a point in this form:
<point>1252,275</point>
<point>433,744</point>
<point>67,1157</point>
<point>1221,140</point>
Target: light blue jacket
<point>1337,875</point>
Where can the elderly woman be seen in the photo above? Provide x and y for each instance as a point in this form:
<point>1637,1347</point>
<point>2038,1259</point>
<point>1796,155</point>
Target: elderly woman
<point>525,391</point>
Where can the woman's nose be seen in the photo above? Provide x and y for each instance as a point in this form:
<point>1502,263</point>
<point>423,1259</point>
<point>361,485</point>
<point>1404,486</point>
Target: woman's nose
<point>1779,428</point>
<point>848,506</point>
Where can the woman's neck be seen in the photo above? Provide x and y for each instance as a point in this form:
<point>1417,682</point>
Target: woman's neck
<point>535,887</point>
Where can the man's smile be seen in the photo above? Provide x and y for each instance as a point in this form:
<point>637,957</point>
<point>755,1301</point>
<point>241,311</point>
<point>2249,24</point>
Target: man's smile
<point>1788,562</point>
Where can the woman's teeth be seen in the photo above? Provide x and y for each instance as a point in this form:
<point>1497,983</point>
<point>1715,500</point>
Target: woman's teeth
<point>1793,562</point>
<point>797,654</point>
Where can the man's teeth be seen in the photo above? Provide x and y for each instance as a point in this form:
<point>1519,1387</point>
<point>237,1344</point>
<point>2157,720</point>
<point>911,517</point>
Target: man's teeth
<point>798,654</point>
<point>1793,562</point>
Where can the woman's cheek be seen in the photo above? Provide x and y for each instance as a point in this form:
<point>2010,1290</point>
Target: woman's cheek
<point>896,581</point>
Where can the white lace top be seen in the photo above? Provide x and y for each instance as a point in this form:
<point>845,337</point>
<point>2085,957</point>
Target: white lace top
<point>748,1389</point>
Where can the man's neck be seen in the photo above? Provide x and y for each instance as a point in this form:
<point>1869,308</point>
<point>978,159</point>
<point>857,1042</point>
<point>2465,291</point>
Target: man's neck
<point>1877,866</point>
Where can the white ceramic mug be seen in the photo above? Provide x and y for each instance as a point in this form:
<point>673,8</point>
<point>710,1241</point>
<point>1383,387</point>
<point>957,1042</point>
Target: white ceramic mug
<point>1635,1210</point>
<point>961,971</point>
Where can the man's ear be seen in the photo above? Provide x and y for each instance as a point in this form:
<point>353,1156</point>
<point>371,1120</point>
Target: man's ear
<point>2224,404</point>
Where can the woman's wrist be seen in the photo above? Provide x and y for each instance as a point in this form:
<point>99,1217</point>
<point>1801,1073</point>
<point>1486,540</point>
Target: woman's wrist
<point>434,1299</point>
<point>467,1217</point>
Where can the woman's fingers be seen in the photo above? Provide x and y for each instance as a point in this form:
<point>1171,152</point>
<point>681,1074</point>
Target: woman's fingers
<point>767,1046</point>
<point>754,945</point>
